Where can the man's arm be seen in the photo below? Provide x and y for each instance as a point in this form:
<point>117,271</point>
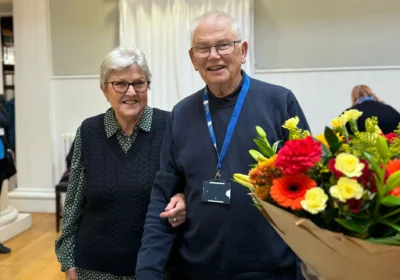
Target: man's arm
<point>293,110</point>
<point>158,236</point>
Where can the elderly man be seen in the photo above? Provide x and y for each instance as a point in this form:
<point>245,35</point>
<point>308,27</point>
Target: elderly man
<point>207,139</point>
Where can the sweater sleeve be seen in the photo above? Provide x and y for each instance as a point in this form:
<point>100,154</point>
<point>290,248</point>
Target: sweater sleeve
<point>158,236</point>
<point>294,109</point>
<point>65,244</point>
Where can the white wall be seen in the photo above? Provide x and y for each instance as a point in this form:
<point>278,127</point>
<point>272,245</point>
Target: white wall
<point>323,33</point>
<point>325,93</point>
<point>75,98</point>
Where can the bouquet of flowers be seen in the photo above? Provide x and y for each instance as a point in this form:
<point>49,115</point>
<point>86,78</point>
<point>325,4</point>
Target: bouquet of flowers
<point>335,198</point>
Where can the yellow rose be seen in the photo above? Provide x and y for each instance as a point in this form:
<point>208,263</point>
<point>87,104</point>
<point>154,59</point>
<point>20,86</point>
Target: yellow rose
<point>346,189</point>
<point>321,138</point>
<point>353,114</point>
<point>315,201</point>
<point>339,122</point>
<point>349,165</point>
<point>291,123</point>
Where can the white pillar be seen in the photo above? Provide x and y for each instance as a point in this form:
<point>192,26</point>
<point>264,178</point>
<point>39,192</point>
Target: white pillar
<point>11,222</point>
<point>33,107</point>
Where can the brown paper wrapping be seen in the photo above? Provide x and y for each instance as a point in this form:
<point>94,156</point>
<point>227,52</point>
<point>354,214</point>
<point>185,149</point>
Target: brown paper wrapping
<point>333,256</point>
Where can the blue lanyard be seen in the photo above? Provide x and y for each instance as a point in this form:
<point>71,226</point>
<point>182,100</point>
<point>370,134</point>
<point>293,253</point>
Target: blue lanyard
<point>232,122</point>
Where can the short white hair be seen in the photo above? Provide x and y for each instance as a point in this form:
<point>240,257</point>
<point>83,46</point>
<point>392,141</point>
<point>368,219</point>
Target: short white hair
<point>218,15</point>
<point>121,58</point>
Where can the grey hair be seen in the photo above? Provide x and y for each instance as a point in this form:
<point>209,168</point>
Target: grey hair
<point>121,58</point>
<point>215,15</point>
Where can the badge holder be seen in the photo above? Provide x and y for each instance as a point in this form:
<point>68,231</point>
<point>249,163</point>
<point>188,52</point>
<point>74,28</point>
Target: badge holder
<point>217,190</point>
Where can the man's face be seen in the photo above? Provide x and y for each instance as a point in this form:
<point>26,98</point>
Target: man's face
<point>217,69</point>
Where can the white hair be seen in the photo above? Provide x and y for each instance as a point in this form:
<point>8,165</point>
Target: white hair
<point>218,15</point>
<point>121,58</point>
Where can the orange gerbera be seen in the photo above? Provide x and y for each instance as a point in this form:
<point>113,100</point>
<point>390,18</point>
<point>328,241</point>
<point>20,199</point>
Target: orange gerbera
<point>393,166</point>
<point>289,190</point>
<point>395,192</point>
<point>264,172</point>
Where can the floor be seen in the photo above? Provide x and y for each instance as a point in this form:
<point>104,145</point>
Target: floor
<point>32,256</point>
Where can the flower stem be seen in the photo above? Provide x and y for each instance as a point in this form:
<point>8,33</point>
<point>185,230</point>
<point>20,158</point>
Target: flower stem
<point>391,213</point>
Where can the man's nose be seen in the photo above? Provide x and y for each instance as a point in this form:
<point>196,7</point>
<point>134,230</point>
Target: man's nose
<point>213,53</point>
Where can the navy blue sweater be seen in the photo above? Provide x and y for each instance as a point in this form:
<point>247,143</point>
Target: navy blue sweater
<point>219,241</point>
<point>388,117</point>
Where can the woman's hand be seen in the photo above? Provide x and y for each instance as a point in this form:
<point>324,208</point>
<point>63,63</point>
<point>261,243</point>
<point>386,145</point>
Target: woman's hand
<point>71,274</point>
<point>175,211</point>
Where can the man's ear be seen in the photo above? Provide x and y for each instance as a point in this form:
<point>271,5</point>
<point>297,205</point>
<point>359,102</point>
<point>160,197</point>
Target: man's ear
<point>192,58</point>
<point>244,49</point>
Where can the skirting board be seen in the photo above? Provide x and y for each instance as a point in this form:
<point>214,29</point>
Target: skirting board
<point>33,200</point>
<point>21,224</point>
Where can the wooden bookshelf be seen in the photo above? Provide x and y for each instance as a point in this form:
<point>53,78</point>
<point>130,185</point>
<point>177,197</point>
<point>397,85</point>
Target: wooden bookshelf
<point>7,41</point>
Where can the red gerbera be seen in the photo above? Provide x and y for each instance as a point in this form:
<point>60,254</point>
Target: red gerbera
<point>299,155</point>
<point>289,190</point>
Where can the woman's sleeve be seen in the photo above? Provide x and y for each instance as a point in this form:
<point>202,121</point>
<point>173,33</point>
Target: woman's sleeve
<point>73,209</point>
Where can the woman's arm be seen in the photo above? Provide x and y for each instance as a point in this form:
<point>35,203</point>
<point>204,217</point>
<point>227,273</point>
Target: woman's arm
<point>74,201</point>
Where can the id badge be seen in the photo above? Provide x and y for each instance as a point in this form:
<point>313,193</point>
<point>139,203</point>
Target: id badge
<point>216,191</point>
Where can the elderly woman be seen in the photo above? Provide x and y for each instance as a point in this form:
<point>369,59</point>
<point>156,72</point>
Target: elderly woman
<point>115,160</point>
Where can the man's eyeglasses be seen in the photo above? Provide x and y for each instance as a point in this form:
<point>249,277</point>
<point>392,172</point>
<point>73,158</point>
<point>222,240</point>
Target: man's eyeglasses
<point>122,87</point>
<point>222,49</point>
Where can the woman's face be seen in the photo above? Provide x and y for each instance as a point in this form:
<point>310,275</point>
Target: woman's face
<point>126,103</point>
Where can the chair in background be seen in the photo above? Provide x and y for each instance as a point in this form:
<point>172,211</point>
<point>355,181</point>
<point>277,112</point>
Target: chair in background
<point>62,187</point>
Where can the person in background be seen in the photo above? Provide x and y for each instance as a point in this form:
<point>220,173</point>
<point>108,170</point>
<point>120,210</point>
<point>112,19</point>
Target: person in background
<point>115,160</point>
<point>3,154</point>
<point>10,105</point>
<point>366,101</point>
<point>207,140</point>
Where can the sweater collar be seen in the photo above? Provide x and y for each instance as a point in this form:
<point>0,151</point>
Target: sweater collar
<point>228,100</point>
<point>112,127</point>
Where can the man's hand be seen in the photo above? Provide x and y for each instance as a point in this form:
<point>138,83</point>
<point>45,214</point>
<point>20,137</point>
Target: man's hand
<point>176,210</point>
<point>71,274</point>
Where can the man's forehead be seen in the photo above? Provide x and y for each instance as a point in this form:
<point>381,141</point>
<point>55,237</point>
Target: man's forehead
<point>213,28</point>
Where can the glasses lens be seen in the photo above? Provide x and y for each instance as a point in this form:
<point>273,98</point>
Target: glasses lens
<point>120,86</point>
<point>140,87</point>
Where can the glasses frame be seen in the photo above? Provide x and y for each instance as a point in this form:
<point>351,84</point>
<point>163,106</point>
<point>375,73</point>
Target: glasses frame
<point>129,84</point>
<point>232,43</point>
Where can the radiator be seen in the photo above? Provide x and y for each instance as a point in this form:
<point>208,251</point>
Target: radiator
<point>67,139</point>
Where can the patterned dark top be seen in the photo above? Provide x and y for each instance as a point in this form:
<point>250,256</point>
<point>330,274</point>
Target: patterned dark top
<point>65,244</point>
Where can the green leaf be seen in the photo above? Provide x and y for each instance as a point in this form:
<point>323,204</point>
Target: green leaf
<point>393,181</point>
<point>330,136</point>
<point>332,139</point>
<point>391,201</point>
<point>264,148</point>
<point>390,240</point>
<point>275,146</point>
<point>375,165</point>
<point>390,224</point>
<point>359,227</point>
